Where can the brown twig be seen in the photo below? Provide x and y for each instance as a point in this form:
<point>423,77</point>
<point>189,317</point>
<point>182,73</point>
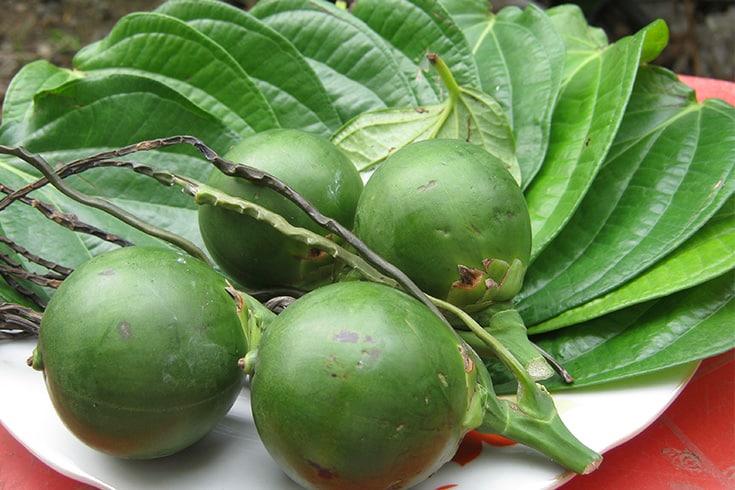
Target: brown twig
<point>238,170</point>
<point>227,167</point>
<point>18,320</point>
<point>13,282</point>
<point>60,270</point>
<point>67,220</point>
<point>56,179</point>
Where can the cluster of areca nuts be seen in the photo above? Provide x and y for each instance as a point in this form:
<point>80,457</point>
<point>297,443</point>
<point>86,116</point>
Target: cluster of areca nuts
<point>143,349</point>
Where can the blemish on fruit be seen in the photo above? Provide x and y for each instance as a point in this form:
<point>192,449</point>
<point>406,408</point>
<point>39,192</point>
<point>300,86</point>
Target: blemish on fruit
<point>124,329</point>
<point>239,301</point>
<point>322,472</point>
<point>347,337</point>
<point>316,254</point>
<point>469,364</point>
<point>426,186</point>
<point>371,354</point>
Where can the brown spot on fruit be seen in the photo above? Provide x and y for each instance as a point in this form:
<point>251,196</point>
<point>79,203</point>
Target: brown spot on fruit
<point>345,336</point>
<point>469,364</point>
<point>321,471</point>
<point>124,329</point>
<point>469,278</point>
<point>427,186</point>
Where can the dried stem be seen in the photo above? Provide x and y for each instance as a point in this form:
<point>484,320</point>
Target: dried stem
<point>238,170</point>
<point>57,180</point>
<point>263,178</point>
<point>67,220</point>
<point>19,272</point>
<point>22,290</point>
<point>60,270</point>
<point>13,272</point>
<point>18,320</point>
<point>225,166</point>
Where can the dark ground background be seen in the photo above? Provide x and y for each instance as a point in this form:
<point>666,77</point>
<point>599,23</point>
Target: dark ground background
<point>702,31</point>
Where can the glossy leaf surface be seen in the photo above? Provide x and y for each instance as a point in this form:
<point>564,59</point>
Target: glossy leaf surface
<point>667,173</point>
<point>585,119</point>
<point>522,59</point>
<point>147,44</point>
<point>707,254</point>
<point>417,28</point>
<point>356,66</point>
<point>468,115</point>
<point>293,90</point>
<point>683,327</point>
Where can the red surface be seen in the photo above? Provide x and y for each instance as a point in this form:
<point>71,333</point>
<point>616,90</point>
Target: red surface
<point>690,447</point>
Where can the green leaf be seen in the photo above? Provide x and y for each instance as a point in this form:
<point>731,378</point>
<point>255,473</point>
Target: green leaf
<point>687,326</point>
<point>168,50</point>
<point>24,225</point>
<point>293,90</point>
<point>663,180</point>
<point>585,120</point>
<point>68,117</point>
<point>657,38</point>
<point>582,41</point>
<point>356,66</point>
<point>415,28</point>
<point>371,137</point>
<point>64,127</point>
<point>467,13</point>
<point>9,294</point>
<point>522,59</point>
<point>678,329</point>
<point>706,255</point>
<point>466,114</point>
<point>32,78</point>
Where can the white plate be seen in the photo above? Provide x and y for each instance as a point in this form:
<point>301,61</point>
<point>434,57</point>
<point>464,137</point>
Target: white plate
<point>232,457</point>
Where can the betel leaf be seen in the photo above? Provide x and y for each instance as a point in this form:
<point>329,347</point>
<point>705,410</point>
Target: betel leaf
<point>10,285</point>
<point>32,78</point>
<point>416,28</point>
<point>9,294</point>
<point>69,117</point>
<point>587,115</point>
<point>363,139</point>
<point>663,179</point>
<point>150,44</point>
<point>581,39</point>
<point>522,58</point>
<point>466,114</point>
<point>704,256</point>
<point>67,123</point>
<point>24,224</point>
<point>683,327</point>
<point>686,326</point>
<point>293,90</point>
<point>356,66</point>
<point>468,13</point>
